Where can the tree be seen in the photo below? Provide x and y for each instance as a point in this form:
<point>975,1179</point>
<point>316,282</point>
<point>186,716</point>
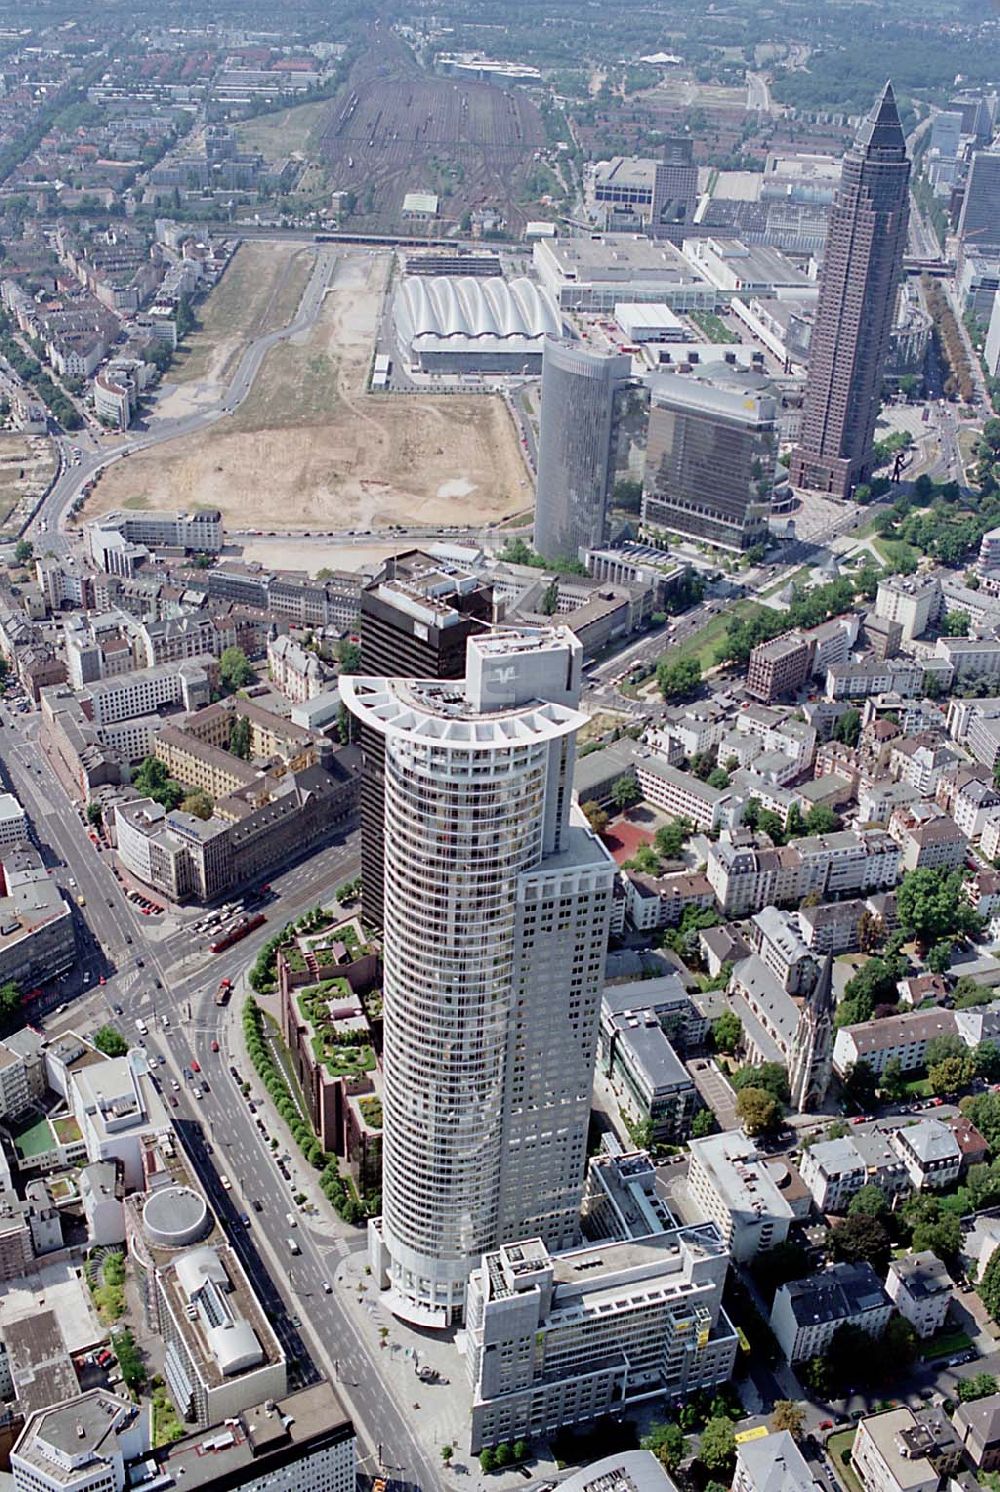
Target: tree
<point>821,820</point>
<point>727,1032</point>
<point>550,598</point>
<point>666,1441</point>
<point>956,624</point>
<point>938,958</point>
<point>989,1285</point>
<point>595,815</point>
<point>521,1450</point>
<point>23,551</point>
<point>199,804</point>
<point>348,657</point>
<point>770,1076</point>
<point>447,1451</point>
<point>133,1369</point>
<point>942,1235</point>
<point>487,1459</point>
<point>931,906</point>
<point>240,737</point>
<point>939,1048</point>
<point>235,671</point>
<point>871,932</point>
<point>788,1415</point>
<point>717,1445</point>
<point>816,1377</point>
<point>670,838</point>
<point>503,1455</point>
<point>980,1386</point>
<point>110,1041</point>
<point>868,1202</point>
<point>950,1076</point>
<point>95,815</point>
<point>625,792</point>
<point>892,1083</point>
<point>758,1112</point>
<point>704,1123</point>
<point>986,1060</point>
<point>860,1083</point>
<point>677,680</point>
<point>847,728</point>
<point>152,780</point>
<point>861,1237</point>
<point>898,1345</point>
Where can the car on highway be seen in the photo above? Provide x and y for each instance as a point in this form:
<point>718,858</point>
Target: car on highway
<point>245,1219</point>
<point>258,1205</point>
<point>225,1183</point>
<point>215,1046</point>
<point>194,1065</point>
<point>173,1100</point>
<point>196,1091</point>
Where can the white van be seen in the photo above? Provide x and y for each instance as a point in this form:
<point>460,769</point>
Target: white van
<point>142,1028</point>
<point>290,1219</point>
<point>293,1247</point>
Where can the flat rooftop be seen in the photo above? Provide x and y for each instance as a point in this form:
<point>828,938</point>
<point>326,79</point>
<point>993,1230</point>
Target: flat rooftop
<point>620,256</point>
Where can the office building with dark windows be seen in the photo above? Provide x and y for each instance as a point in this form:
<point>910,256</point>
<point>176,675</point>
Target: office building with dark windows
<point>857,307</point>
<point>710,462</point>
<point>581,400</point>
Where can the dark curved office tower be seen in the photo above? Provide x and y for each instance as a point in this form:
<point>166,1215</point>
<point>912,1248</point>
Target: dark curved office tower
<point>857,306</point>
<point>577,438</point>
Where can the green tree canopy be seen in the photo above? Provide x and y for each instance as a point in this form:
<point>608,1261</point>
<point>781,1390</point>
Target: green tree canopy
<point>625,791</point>
<point>727,1032</point>
<point>861,1237</point>
<point>931,906</point>
<point>868,1202</point>
<point>717,1445</point>
<point>666,1441</point>
<point>152,780</point>
<point>109,1040</point>
<point>198,803</point>
<point>235,671</point>
<point>770,1076</point>
<point>758,1111</point>
<point>677,680</point>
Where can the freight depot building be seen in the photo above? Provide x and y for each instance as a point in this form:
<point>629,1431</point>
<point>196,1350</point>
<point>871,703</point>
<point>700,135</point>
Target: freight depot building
<point>450,325</point>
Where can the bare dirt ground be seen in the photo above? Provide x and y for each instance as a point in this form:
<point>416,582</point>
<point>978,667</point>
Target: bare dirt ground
<point>309,448</point>
<point>27,463</point>
<point>258,293</point>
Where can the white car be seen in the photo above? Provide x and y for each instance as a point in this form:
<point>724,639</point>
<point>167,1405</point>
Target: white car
<point>225,1183</point>
<point>196,1091</point>
<point>175,1085</point>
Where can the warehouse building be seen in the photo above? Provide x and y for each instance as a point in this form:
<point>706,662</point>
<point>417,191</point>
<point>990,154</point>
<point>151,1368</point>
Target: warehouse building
<point>473,325</point>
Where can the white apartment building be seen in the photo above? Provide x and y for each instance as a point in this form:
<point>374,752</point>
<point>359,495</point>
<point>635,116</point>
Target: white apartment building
<point>971,656</point>
<point>13,821</point>
<point>930,1153</point>
<point>914,601</point>
<point>861,680</point>
<point>847,863</point>
<point>772,1463</point>
<point>497,907</point>
<point>22,1073</point>
<point>114,1101</point>
<point>921,1288</point>
<point>904,1037</point>
<point>806,1313</point>
<point>558,1340</point>
<point>683,795</point>
<point>148,690</point>
<point>835,1170</point>
<point>731,1184</point>
<point>81,1445</point>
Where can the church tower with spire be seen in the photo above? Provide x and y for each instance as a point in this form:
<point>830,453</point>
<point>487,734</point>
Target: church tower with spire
<point>811,1062</point>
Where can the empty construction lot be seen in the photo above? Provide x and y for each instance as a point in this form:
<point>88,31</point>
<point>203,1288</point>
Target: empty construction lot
<point>395,129</point>
<point>310,449</point>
